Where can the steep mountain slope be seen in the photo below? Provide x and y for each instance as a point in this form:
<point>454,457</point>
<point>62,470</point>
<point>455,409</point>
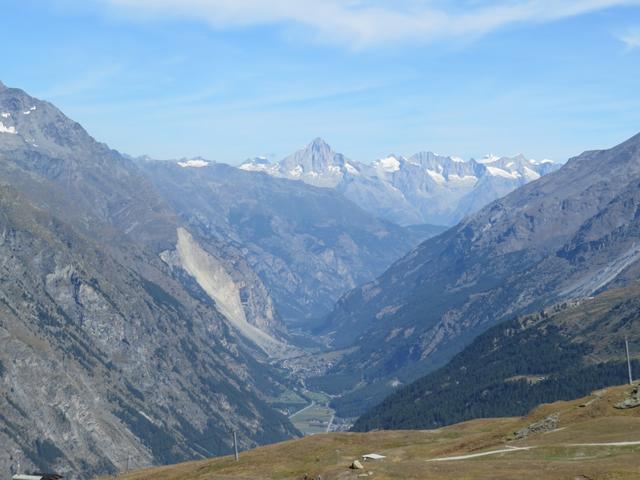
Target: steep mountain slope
<point>60,167</point>
<point>101,363</point>
<point>559,353</point>
<point>568,234</point>
<point>425,188</point>
<point>54,161</point>
<point>110,347</point>
<point>308,245</point>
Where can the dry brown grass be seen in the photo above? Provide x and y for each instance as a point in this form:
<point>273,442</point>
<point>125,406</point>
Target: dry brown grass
<point>407,452</point>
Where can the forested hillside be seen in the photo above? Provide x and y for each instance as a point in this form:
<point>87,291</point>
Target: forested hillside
<point>559,353</point>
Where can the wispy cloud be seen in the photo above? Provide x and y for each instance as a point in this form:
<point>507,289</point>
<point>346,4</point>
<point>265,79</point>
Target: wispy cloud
<point>361,23</point>
<point>630,37</point>
<point>89,80</point>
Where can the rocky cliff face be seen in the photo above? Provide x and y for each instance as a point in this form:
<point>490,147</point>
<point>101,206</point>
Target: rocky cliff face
<point>425,188</point>
<point>109,353</point>
<point>569,234</point>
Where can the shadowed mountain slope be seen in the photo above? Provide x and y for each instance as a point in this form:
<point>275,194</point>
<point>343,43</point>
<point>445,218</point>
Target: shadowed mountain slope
<point>558,353</point>
<point>110,350</point>
<point>567,235</point>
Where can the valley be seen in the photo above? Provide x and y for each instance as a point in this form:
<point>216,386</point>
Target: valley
<point>569,235</point>
<point>191,299</point>
<point>314,418</point>
<point>340,239</point>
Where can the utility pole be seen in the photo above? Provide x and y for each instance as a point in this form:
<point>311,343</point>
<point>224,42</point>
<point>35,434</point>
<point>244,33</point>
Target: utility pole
<point>127,469</point>
<point>626,344</point>
<point>235,445</point>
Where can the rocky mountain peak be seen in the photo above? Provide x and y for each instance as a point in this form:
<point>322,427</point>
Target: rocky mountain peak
<point>316,157</point>
<point>389,164</point>
<point>316,164</point>
<point>318,144</point>
<point>195,162</point>
<point>35,124</point>
<point>260,160</point>
<point>424,188</point>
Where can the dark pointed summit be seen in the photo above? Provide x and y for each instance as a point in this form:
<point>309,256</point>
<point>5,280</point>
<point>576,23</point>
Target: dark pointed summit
<point>319,147</point>
<point>317,164</point>
<point>319,142</point>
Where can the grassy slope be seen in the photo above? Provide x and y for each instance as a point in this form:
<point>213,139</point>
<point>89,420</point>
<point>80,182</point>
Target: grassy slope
<point>408,451</point>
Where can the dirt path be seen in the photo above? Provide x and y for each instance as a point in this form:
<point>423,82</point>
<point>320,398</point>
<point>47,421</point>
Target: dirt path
<point>509,449</point>
<point>607,444</point>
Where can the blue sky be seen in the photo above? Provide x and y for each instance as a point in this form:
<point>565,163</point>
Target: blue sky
<point>228,79</point>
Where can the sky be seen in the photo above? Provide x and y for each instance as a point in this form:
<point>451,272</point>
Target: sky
<point>233,79</point>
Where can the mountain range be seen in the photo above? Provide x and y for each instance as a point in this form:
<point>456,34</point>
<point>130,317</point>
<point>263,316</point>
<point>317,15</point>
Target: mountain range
<point>425,188</point>
<point>150,308</point>
<point>307,245</point>
<point>113,349</point>
<point>153,296</point>
<point>569,234</point>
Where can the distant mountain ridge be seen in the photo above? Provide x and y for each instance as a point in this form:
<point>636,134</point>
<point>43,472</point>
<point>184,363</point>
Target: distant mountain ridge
<point>424,188</point>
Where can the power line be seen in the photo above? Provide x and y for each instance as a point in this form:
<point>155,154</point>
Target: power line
<point>189,444</point>
<point>626,344</point>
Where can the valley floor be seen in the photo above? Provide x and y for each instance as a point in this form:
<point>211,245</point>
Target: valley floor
<point>589,439</point>
<point>313,419</point>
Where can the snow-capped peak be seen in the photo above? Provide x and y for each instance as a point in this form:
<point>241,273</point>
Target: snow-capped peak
<point>499,172</point>
<point>194,163</point>
<point>423,188</point>
<point>388,164</point>
<point>259,164</point>
<point>318,142</point>
<point>544,161</point>
<point>489,158</point>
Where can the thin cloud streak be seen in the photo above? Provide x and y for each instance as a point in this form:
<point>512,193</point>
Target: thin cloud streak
<point>90,80</point>
<point>359,24</point>
<point>630,37</point>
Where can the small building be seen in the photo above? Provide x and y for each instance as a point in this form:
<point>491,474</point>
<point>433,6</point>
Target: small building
<point>372,456</point>
<point>37,476</point>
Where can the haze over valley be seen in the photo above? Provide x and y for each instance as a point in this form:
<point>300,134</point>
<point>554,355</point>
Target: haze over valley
<point>171,293</point>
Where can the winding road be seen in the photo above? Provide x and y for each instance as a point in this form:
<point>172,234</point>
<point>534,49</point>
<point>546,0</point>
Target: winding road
<point>302,410</point>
